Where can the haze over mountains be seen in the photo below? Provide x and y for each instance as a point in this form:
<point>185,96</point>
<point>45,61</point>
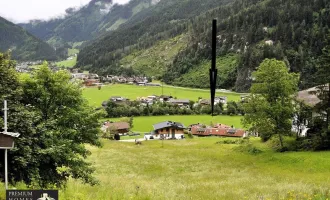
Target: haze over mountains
<point>170,39</point>
<point>89,22</point>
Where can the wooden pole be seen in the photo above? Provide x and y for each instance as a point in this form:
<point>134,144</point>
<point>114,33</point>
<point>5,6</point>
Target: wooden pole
<point>6,169</point>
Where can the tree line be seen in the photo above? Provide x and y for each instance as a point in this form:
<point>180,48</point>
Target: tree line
<point>135,109</point>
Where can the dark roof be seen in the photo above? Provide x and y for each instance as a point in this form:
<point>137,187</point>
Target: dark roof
<point>179,101</point>
<point>167,124</point>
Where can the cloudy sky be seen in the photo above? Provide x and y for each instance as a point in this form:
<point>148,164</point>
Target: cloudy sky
<point>25,10</point>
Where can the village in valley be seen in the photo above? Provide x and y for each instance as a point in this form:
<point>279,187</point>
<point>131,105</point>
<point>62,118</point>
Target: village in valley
<point>165,100</point>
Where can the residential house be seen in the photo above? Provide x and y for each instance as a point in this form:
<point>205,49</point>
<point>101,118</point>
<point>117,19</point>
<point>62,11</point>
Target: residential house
<point>308,97</point>
<point>81,76</point>
<point>169,130</point>
<point>91,82</point>
<point>183,103</point>
<point>204,102</point>
<point>217,130</point>
<point>93,76</point>
<point>119,127</point>
<point>221,99</point>
<point>145,101</point>
<point>117,98</point>
<point>164,98</point>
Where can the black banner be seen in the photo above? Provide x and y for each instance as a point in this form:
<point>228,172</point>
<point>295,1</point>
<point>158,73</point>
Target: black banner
<point>32,195</point>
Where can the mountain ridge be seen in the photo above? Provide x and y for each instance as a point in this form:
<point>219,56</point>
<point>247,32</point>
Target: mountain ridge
<point>85,23</point>
<point>22,44</point>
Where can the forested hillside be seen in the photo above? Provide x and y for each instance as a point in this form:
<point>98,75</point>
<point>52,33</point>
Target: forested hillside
<point>248,32</point>
<point>165,20</point>
<point>22,44</point>
<point>86,23</point>
<point>295,31</point>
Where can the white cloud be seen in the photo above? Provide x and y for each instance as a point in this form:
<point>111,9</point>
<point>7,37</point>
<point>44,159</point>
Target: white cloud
<point>25,10</point>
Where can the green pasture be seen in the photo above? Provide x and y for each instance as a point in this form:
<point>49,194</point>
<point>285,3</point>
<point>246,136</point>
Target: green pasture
<point>67,63</point>
<point>201,169</point>
<point>144,124</point>
<point>73,51</point>
<point>96,96</point>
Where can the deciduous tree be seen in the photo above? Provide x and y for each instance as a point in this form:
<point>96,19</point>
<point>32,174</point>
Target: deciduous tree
<point>270,107</point>
<point>55,123</point>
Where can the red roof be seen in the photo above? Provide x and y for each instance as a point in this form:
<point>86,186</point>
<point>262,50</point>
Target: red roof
<point>222,126</point>
<point>220,131</point>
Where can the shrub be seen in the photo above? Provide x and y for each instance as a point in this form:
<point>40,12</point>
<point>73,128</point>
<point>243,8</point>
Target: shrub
<point>188,133</point>
<point>249,148</point>
<point>230,141</point>
<point>289,144</point>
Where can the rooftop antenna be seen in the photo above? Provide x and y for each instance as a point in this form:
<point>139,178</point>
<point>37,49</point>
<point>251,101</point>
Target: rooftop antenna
<point>213,70</point>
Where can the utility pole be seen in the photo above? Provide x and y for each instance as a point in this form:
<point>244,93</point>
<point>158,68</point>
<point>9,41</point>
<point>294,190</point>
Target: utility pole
<point>8,141</point>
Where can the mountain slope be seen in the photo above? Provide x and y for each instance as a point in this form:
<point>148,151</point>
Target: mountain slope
<point>248,32</point>
<point>86,23</point>
<point>293,30</point>
<point>154,60</point>
<point>22,44</point>
<point>165,20</point>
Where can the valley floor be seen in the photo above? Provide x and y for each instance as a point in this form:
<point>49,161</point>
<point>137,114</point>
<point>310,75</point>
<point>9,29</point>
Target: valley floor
<point>201,169</point>
<point>96,96</point>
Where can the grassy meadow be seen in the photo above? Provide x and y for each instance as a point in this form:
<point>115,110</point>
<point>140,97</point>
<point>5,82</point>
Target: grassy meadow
<point>144,124</point>
<point>96,97</point>
<point>201,169</point>
<point>67,63</point>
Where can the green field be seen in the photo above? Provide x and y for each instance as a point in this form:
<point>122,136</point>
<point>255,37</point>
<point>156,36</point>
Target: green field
<point>72,51</point>
<point>96,97</point>
<point>144,124</point>
<point>201,169</point>
<point>67,63</point>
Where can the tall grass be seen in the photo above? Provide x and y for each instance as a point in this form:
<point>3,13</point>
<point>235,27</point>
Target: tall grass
<point>201,168</point>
